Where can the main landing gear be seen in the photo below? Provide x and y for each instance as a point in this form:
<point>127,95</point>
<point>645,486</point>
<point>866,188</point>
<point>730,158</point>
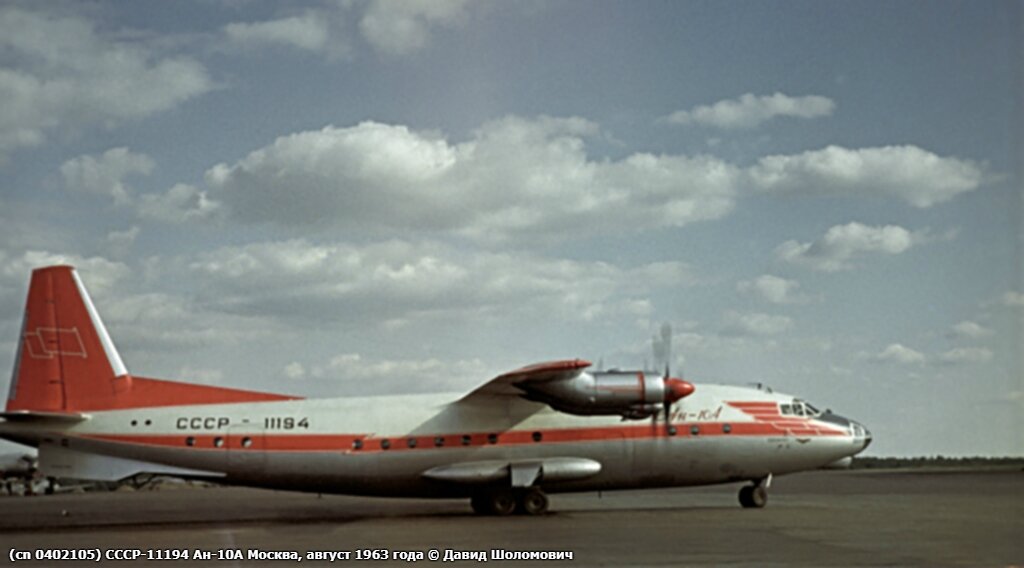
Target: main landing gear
<point>755,496</point>
<point>501,502</point>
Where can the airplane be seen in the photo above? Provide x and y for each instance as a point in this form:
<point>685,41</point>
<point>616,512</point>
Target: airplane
<point>542,429</point>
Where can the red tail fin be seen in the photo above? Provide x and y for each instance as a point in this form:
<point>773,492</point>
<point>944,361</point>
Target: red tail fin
<point>66,361</point>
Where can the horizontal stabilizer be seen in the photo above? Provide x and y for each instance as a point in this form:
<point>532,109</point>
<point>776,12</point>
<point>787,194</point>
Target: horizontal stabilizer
<point>36,416</point>
<point>519,473</point>
<point>61,462</point>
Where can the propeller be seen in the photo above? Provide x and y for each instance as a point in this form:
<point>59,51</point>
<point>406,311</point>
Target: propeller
<point>675,388</point>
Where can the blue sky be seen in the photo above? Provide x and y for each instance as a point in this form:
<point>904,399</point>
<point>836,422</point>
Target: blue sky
<point>331,198</point>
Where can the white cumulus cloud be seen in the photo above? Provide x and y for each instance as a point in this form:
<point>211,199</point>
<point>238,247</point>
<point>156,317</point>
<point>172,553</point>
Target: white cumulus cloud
<point>909,173</point>
<point>59,71</point>
<point>755,324</point>
<point>966,355</point>
<point>513,177</point>
<point>749,110</point>
<point>15,269</point>
<point>118,243</point>
<point>310,31</point>
<point>105,174</point>
<point>773,289</point>
<point>397,281</point>
<point>841,244</point>
<point>179,204</point>
<point>400,27</point>
<point>304,32</point>
<point>898,353</point>
<point>971,330</point>
<point>355,373</point>
<point>1013,299</point>
<point>295,371</point>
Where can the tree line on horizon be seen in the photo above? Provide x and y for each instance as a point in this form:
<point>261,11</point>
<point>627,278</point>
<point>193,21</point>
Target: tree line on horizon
<point>870,462</point>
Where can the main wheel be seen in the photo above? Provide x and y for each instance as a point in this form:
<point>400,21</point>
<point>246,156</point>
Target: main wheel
<point>480,504</point>
<point>753,497</point>
<point>501,503</point>
<point>532,502</point>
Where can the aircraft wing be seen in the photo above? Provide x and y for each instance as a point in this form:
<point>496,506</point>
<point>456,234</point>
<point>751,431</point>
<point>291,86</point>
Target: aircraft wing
<point>504,385</point>
<point>497,405</point>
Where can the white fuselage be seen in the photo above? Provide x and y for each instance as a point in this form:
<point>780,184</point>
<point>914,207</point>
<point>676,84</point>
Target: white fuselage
<point>383,445</point>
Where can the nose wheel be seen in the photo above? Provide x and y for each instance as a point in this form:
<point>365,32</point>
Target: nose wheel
<point>755,496</point>
<point>501,502</point>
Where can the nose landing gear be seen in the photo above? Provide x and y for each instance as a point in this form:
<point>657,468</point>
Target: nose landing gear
<point>530,501</point>
<point>755,496</point>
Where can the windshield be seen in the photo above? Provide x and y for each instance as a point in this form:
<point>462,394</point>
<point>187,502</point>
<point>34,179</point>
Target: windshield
<point>799,408</point>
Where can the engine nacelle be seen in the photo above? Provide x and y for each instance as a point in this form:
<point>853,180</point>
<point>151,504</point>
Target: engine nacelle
<point>633,395</point>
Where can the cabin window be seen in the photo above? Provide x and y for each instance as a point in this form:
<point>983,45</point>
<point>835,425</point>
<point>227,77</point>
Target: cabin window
<point>190,441</point>
<point>411,442</point>
<point>357,444</point>
<point>671,430</point>
<point>726,428</point>
<point>694,430</point>
<point>537,436</point>
<point>466,440</point>
<point>135,422</point>
<point>492,438</point>
<point>246,442</point>
<point>149,422</point>
<point>218,442</point>
<point>439,441</point>
<point>385,444</point>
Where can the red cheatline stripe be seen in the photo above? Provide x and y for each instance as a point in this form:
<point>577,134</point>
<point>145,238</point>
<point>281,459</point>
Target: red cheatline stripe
<point>344,442</point>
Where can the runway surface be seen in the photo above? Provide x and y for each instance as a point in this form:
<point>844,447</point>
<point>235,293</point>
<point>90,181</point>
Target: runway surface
<point>837,518</point>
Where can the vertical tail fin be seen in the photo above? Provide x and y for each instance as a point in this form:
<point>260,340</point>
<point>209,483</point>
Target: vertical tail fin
<point>66,361</point>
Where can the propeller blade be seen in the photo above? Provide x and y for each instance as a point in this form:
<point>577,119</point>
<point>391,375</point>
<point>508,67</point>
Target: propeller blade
<point>661,346</point>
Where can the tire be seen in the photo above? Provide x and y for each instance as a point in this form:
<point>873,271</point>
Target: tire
<point>753,497</point>
<point>532,502</point>
<point>480,504</point>
<point>501,503</point>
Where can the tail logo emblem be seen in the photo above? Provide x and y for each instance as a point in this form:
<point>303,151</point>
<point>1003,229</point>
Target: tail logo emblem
<point>48,342</point>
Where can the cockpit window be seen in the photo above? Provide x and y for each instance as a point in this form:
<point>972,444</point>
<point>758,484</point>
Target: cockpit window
<point>803,408</point>
<point>787,409</point>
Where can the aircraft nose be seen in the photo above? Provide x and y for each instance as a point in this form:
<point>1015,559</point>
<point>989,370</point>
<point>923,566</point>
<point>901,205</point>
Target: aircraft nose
<point>854,429</point>
<point>859,431</point>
